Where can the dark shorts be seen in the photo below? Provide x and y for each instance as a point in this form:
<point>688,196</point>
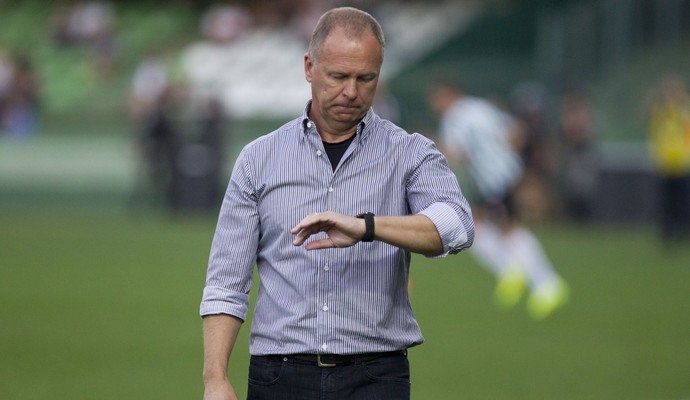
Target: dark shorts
<point>287,378</point>
<point>499,208</point>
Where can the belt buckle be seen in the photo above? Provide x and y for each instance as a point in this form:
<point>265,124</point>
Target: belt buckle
<point>323,365</point>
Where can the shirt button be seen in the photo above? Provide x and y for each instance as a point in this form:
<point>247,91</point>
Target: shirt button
<point>324,346</point>
<point>309,124</point>
<point>330,189</point>
<point>325,307</point>
<point>326,268</point>
<point>318,153</point>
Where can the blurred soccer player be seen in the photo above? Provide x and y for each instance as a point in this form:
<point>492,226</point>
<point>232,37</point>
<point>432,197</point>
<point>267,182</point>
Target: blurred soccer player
<point>481,137</point>
<point>669,137</point>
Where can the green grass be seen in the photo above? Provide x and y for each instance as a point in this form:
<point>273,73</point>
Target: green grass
<point>106,308</point>
<point>97,308</point>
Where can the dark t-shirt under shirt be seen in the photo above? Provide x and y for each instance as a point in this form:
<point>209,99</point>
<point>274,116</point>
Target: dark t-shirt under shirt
<point>335,151</point>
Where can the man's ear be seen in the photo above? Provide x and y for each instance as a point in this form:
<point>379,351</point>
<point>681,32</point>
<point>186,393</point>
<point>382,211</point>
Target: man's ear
<point>308,65</point>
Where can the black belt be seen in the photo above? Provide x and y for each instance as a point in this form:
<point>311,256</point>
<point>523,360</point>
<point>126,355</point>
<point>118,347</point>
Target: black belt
<point>334,360</point>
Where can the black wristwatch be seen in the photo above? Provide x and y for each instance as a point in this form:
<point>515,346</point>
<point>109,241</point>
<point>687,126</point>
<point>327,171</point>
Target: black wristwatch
<point>369,225</point>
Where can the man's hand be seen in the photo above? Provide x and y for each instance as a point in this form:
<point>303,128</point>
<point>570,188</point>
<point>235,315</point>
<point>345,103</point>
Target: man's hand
<point>342,230</point>
<point>219,390</point>
<point>415,233</point>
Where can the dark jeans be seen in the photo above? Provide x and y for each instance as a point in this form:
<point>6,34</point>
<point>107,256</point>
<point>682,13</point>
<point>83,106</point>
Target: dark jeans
<point>272,378</point>
<point>675,207</point>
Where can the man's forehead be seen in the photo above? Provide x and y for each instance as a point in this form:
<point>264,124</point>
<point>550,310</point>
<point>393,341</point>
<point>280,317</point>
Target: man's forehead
<point>340,35</point>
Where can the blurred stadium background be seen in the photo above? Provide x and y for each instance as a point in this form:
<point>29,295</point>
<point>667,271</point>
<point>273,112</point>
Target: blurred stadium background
<point>121,121</point>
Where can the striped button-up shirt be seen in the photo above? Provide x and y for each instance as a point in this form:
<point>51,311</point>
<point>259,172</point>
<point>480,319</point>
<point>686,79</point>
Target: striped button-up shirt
<point>332,301</point>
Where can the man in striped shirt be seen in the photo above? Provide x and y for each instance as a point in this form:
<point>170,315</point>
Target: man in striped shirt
<point>332,323</point>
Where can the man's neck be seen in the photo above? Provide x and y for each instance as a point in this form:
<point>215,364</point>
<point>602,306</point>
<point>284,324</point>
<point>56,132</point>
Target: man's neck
<point>338,137</point>
<point>333,135</point>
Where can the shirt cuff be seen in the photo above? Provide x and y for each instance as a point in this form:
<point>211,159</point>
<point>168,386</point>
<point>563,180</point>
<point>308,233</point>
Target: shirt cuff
<point>218,300</point>
<point>449,226</point>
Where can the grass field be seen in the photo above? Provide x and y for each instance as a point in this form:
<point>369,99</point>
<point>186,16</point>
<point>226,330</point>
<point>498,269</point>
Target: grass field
<point>107,308</point>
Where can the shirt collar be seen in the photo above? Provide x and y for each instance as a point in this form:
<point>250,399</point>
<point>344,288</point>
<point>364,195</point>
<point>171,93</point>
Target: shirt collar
<point>361,132</point>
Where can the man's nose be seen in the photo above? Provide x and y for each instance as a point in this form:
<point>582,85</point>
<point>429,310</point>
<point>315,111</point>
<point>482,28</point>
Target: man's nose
<point>350,89</point>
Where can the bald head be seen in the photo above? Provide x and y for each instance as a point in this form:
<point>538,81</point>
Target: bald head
<point>352,21</point>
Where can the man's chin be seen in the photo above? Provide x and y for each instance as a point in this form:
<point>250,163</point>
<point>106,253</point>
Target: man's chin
<point>349,115</point>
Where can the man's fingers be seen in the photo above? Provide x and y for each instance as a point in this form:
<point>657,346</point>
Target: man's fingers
<point>320,244</point>
<point>303,231</point>
<point>306,222</point>
<point>311,224</point>
<point>301,237</point>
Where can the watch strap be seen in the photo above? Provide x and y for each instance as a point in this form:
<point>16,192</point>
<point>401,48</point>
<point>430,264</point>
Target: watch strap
<point>368,218</point>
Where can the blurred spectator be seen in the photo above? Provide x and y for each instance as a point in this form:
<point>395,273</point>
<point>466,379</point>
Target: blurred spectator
<point>534,195</point>
<point>198,180</point>
<point>150,101</point>
<point>275,13</point>
<point>304,21</point>
<point>6,77</point>
<point>579,169</point>
<point>104,53</point>
<point>181,139</point>
<point>90,24</point>
<point>481,137</point>
<point>223,24</point>
<point>88,21</point>
<point>62,35</point>
<point>669,139</point>
<point>529,104</point>
<point>19,96</point>
<point>149,86</point>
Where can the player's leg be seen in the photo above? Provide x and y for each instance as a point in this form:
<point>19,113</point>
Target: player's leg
<point>548,290</point>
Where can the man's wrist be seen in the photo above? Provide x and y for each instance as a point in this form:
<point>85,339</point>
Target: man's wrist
<point>214,378</point>
<point>369,228</point>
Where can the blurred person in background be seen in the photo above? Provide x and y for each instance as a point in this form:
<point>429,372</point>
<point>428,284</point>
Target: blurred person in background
<point>669,140</point>
<point>533,196</point>
<point>302,23</point>
<point>198,179</point>
<point>224,24</point>
<point>6,83</point>
<point>19,96</point>
<point>216,133</point>
<point>90,24</point>
<point>339,179</point>
<point>479,136</point>
<point>580,161</point>
<point>150,102</point>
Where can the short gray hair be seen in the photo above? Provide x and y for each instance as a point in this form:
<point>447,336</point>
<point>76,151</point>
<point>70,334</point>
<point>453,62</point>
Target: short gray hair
<point>354,21</point>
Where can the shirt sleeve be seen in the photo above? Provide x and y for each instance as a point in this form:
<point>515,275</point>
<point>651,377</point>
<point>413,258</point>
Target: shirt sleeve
<point>234,247</point>
<point>433,191</point>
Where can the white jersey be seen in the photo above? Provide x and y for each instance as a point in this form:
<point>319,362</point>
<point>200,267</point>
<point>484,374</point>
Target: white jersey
<point>481,132</point>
